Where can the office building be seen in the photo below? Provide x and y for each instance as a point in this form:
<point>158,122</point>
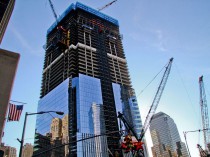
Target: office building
<point>165,137</point>
<point>6,8</point>
<point>8,65</point>
<point>85,75</point>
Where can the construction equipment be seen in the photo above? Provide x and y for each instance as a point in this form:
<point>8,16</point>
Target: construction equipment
<point>204,112</point>
<point>149,115</point>
<point>156,99</point>
<point>53,10</point>
<point>185,136</point>
<point>202,152</point>
<point>107,5</point>
<point>128,144</point>
<point>62,35</point>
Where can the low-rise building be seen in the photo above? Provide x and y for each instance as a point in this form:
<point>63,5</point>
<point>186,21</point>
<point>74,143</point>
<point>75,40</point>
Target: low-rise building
<point>27,150</point>
<point>8,151</point>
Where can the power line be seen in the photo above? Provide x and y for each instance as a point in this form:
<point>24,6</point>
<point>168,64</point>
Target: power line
<point>188,95</point>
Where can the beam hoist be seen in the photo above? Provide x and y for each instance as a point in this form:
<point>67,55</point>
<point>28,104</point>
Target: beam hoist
<point>137,147</point>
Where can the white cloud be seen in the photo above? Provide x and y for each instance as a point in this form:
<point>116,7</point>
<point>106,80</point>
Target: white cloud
<point>150,38</point>
<point>25,44</point>
<point>160,41</point>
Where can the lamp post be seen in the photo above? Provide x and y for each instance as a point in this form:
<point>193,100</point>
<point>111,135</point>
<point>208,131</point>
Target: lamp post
<point>24,126</point>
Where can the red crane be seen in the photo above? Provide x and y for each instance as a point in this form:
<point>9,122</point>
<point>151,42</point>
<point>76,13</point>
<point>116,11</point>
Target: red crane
<point>204,113</point>
<point>138,146</point>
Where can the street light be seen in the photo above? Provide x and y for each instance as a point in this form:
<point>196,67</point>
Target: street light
<point>24,126</point>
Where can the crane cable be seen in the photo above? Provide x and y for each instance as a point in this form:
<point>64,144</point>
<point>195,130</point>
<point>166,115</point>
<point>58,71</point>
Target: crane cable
<point>151,81</point>
<point>197,114</point>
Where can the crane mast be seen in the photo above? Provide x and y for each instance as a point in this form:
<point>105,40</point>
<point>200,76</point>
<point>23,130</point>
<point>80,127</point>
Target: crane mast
<point>53,10</point>
<point>156,99</point>
<point>204,112</point>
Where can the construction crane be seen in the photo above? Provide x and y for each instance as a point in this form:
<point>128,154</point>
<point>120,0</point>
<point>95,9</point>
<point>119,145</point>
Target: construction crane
<point>53,10</point>
<point>152,108</point>
<point>63,34</point>
<point>107,5</point>
<point>202,152</point>
<point>204,112</point>
<point>185,137</point>
<point>128,145</point>
<point>156,100</point>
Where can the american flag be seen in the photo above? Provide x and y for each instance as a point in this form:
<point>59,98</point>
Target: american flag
<point>15,112</point>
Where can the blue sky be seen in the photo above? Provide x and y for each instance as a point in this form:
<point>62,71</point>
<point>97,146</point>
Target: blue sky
<point>153,32</point>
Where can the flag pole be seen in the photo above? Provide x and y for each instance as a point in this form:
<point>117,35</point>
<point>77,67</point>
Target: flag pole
<point>23,103</point>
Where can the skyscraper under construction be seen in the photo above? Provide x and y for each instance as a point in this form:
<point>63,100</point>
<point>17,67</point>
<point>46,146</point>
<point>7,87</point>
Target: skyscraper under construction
<point>85,75</point>
<point>6,8</point>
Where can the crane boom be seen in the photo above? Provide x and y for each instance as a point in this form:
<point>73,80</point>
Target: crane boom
<point>53,10</point>
<point>156,99</point>
<point>127,125</point>
<point>107,5</point>
<point>202,152</point>
<point>204,112</point>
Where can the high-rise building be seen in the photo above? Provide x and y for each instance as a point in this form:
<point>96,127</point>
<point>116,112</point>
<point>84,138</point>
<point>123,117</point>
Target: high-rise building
<point>6,8</point>
<point>85,75</point>
<point>165,137</point>
<point>8,65</point>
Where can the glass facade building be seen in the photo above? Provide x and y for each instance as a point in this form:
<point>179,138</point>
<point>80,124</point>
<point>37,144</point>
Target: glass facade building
<point>165,137</point>
<point>85,75</point>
